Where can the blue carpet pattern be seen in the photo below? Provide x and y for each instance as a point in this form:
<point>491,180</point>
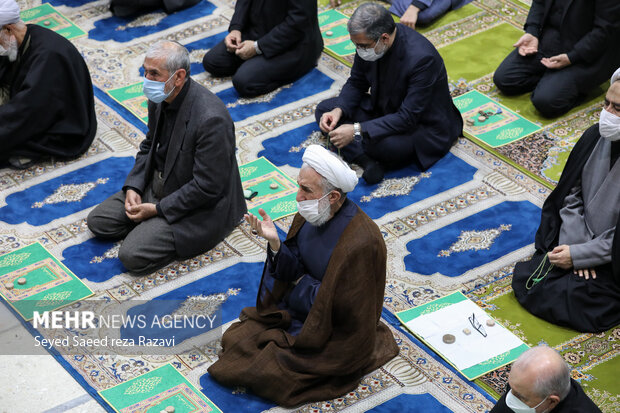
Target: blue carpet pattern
<point>450,227</point>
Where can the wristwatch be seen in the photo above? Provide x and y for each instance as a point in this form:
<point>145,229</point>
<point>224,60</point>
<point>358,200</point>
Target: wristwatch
<point>257,49</point>
<point>358,131</point>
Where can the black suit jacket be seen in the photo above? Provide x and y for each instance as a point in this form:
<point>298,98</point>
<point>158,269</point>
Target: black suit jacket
<point>576,402</point>
<point>203,198</point>
<point>409,95</point>
<point>280,26</point>
<point>590,31</point>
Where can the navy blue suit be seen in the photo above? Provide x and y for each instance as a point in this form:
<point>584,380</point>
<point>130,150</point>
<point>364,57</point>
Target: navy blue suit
<point>408,116</point>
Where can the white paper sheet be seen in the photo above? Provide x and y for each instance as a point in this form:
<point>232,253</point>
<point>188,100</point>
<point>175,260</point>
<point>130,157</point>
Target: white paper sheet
<point>467,350</point>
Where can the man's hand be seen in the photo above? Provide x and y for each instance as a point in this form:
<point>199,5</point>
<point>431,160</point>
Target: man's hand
<point>410,16</point>
<point>527,45</point>
<point>132,198</point>
<point>560,256</point>
<point>342,135</point>
<point>142,212</point>
<point>556,62</point>
<point>264,228</point>
<point>335,3</point>
<point>330,119</point>
<point>232,41</point>
<point>586,272</point>
<point>246,50</point>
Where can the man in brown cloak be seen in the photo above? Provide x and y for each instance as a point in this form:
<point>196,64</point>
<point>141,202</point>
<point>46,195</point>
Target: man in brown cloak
<point>316,328</point>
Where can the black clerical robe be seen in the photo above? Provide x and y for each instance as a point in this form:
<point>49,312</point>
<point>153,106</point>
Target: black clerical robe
<point>576,402</point>
<point>51,109</point>
<point>562,297</point>
<point>126,8</point>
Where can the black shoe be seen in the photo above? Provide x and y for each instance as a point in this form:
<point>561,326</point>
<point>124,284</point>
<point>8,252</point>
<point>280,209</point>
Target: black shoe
<point>373,173</point>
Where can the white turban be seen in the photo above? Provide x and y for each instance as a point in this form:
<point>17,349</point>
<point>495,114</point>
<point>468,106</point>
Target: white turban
<point>9,12</point>
<point>615,76</point>
<point>329,166</point>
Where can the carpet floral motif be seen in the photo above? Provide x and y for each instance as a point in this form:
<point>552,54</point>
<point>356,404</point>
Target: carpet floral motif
<point>474,240</point>
<point>70,193</point>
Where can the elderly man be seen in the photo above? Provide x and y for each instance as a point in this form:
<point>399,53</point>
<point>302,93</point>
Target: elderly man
<point>316,328</point>
<point>567,50</point>
<point>540,382</point>
<point>271,43</point>
<point>573,279</point>
<point>184,193</point>
<point>408,116</point>
<point>46,95</point>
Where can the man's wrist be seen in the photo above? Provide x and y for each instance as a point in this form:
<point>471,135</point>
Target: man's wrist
<point>274,246</point>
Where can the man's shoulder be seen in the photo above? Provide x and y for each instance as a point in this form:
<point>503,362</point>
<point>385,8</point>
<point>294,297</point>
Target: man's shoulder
<point>48,41</point>
<point>203,103</point>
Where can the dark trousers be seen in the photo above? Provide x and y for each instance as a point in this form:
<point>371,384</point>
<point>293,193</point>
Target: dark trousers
<point>554,92</point>
<point>258,75</point>
<point>392,152</point>
<point>148,245</point>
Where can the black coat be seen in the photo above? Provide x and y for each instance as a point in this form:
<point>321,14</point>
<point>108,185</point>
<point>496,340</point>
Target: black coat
<point>203,198</point>
<point>590,32</point>
<point>280,26</point>
<point>409,94</point>
<point>51,110</point>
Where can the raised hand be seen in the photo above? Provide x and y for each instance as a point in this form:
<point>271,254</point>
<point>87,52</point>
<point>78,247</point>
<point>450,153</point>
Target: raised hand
<point>265,228</point>
<point>556,62</point>
<point>527,45</point>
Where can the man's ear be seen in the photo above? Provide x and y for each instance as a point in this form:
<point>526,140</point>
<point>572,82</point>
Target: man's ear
<point>334,197</point>
<point>180,78</point>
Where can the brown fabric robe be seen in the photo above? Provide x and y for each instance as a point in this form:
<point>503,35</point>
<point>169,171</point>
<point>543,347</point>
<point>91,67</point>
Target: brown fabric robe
<point>342,339</point>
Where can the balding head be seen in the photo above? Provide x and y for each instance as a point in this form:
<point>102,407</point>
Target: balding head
<point>540,373</point>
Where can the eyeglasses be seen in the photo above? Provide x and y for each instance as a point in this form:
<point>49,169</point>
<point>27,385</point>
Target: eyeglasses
<point>476,325</point>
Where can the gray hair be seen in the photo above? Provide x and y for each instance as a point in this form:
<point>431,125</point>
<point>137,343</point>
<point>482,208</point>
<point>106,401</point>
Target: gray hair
<point>325,184</point>
<point>552,377</point>
<point>175,54</point>
<point>372,20</point>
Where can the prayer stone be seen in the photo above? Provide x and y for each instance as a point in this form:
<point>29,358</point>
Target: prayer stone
<point>470,122</point>
<point>448,338</point>
<point>47,23</point>
<point>170,409</point>
<point>467,331</point>
<point>273,186</point>
<point>482,118</point>
<point>329,33</point>
<point>247,193</point>
<point>8,286</point>
<point>490,322</point>
<point>21,281</point>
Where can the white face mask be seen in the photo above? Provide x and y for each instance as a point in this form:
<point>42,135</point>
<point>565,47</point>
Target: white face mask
<point>11,50</point>
<point>609,126</point>
<point>518,406</point>
<point>370,55</point>
<point>314,211</point>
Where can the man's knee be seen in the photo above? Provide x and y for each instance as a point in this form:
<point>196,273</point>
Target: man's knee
<point>215,65</point>
<point>97,223</point>
<point>552,105</point>
<point>132,259</point>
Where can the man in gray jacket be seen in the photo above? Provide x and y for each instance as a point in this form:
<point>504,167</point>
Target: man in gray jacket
<point>184,194</point>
